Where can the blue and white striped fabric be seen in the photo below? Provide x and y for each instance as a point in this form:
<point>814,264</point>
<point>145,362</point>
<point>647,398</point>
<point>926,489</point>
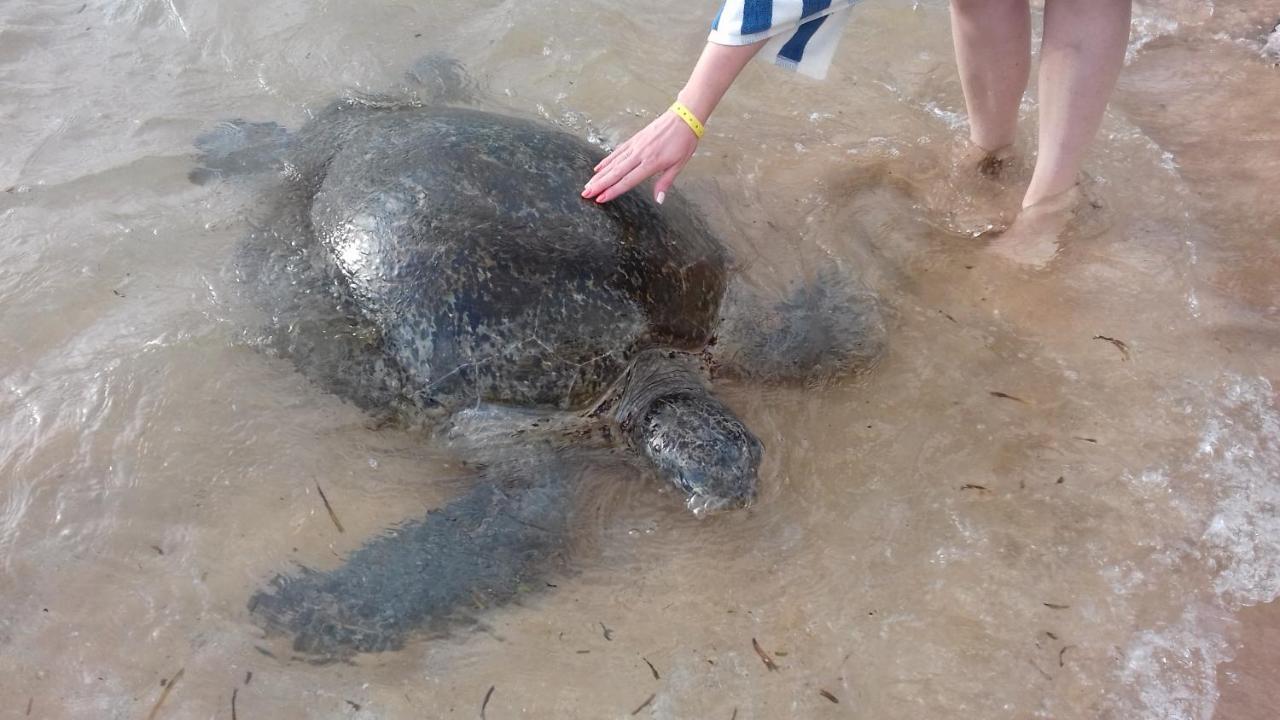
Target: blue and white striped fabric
<point>803,33</point>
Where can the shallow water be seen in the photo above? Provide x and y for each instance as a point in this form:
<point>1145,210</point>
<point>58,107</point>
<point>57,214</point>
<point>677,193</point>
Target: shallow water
<point>922,547</point>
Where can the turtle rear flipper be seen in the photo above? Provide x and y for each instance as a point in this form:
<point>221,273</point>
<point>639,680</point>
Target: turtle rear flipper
<point>825,328</point>
<point>239,147</point>
<point>480,550</point>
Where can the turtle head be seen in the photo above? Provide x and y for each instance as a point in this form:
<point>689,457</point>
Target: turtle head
<point>692,439</point>
<point>703,449</point>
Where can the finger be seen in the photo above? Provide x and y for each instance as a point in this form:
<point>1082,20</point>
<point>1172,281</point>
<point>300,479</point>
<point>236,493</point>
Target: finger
<point>637,175</point>
<point>665,182</point>
<point>623,156</point>
<point>599,170</point>
<point>607,159</point>
<point>615,156</point>
<point>617,152</point>
<point>608,177</point>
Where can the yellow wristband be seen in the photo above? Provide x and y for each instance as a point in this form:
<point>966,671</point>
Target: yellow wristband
<point>689,118</point>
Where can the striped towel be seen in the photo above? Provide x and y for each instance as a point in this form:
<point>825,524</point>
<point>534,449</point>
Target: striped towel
<point>804,33</point>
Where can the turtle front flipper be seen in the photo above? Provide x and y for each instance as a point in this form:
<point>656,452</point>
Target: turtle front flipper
<point>239,147</point>
<point>438,79</point>
<point>824,329</point>
<point>480,550</point>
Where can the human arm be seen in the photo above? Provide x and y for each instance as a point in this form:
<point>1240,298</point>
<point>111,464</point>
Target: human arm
<point>667,143</point>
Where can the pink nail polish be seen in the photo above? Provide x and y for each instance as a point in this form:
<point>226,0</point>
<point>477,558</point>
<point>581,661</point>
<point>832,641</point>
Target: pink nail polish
<point>661,196</point>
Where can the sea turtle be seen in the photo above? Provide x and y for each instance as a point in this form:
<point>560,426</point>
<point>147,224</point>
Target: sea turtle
<point>438,260</point>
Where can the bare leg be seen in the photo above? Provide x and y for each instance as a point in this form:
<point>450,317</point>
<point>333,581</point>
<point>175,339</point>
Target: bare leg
<point>992,41</point>
<point>1080,59</point>
<point>993,51</point>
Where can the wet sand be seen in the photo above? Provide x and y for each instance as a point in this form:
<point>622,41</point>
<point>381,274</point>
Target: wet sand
<point>1076,546</point>
<point>1183,91</point>
<point>1250,684</point>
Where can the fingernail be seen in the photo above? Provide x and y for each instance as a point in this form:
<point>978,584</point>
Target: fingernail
<point>661,196</point>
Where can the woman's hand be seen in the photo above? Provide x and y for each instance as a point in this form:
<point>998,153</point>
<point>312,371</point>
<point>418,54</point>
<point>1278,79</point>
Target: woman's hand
<point>664,146</point>
<point>668,143</point>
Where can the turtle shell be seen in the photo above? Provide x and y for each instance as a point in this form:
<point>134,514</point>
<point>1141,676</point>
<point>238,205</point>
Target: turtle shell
<point>462,237</point>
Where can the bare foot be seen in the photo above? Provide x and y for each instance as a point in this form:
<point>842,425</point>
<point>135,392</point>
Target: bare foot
<point>975,194</point>
<point>1033,238</point>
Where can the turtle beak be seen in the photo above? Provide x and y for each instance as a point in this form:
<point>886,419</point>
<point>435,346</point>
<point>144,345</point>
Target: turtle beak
<point>703,505</point>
